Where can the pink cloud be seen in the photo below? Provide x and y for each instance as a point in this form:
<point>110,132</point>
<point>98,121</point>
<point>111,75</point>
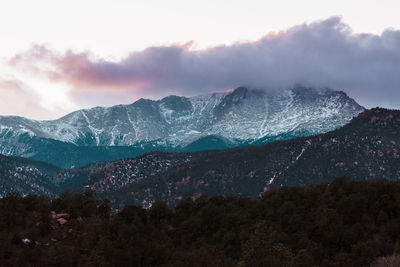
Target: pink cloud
<point>322,54</point>
<point>76,69</point>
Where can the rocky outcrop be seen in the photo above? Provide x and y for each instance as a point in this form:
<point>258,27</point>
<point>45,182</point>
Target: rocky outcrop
<point>58,219</point>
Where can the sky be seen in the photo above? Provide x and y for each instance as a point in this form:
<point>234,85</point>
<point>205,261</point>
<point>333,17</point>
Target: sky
<point>59,56</point>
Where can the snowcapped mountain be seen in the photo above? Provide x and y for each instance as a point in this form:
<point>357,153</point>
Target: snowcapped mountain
<point>244,116</point>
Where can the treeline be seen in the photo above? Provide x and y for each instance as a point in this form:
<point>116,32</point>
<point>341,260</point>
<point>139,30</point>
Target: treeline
<point>344,223</point>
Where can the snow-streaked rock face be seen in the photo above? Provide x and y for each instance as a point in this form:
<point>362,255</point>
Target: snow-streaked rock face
<point>240,116</point>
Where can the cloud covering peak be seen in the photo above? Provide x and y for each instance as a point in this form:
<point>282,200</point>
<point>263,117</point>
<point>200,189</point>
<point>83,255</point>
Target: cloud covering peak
<point>321,54</point>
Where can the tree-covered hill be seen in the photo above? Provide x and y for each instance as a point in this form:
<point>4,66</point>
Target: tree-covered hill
<point>26,177</point>
<point>342,223</point>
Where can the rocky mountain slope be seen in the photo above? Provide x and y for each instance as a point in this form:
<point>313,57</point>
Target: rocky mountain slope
<point>213,121</point>
<point>26,177</point>
<point>367,148</point>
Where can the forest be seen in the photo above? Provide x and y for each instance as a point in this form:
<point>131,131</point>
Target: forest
<point>342,223</point>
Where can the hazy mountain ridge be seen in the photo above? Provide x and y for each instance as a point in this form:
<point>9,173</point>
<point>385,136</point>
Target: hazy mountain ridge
<point>173,123</point>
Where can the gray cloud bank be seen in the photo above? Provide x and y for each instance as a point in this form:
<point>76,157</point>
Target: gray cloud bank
<point>322,54</point>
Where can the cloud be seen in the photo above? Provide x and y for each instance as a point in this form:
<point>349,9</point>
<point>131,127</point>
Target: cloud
<point>322,54</point>
<point>20,100</point>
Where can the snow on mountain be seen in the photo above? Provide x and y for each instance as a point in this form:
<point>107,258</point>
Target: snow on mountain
<point>244,115</point>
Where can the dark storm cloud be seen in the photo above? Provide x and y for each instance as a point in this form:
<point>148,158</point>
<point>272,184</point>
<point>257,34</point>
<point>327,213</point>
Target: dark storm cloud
<point>321,54</point>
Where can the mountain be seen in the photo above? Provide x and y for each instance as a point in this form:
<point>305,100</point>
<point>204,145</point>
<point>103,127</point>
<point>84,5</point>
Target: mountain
<point>366,148</point>
<point>215,121</point>
<point>26,177</point>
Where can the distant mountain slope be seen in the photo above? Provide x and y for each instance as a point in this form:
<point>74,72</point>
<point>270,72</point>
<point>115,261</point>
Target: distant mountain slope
<point>367,148</point>
<point>175,123</point>
<point>26,177</point>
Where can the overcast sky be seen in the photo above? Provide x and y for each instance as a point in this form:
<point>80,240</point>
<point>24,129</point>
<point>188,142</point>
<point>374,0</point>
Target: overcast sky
<point>58,56</point>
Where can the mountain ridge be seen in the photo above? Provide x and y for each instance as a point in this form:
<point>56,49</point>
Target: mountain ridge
<point>224,103</point>
<point>244,116</point>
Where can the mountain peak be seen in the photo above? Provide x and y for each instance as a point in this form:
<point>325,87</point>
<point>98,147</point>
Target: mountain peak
<point>141,101</point>
<point>241,90</point>
<point>242,116</point>
<point>244,92</point>
<point>171,97</point>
